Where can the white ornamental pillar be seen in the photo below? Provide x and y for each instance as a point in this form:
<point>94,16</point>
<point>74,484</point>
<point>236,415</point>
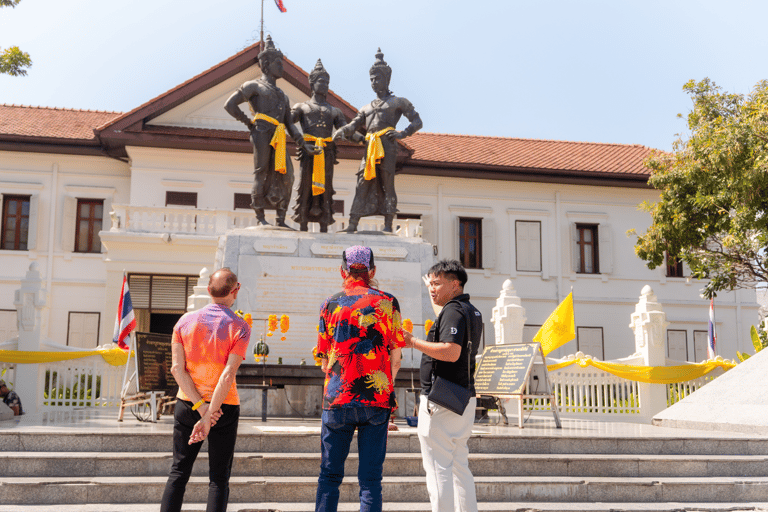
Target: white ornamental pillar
<point>649,323</point>
<point>508,316</point>
<point>200,297</point>
<point>30,304</point>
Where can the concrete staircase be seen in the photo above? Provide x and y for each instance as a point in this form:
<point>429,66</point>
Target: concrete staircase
<point>111,472</point>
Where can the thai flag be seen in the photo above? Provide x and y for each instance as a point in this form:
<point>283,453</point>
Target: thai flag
<point>712,338</point>
<point>125,321</point>
<point>279,4</point>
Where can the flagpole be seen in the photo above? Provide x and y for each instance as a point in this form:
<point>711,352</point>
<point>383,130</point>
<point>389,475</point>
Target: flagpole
<point>261,40</point>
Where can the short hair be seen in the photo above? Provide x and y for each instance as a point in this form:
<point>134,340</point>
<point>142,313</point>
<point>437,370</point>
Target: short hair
<point>222,287</point>
<point>451,269</point>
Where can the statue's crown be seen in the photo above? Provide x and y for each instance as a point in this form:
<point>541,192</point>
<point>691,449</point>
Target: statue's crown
<point>269,49</point>
<point>318,72</point>
<point>380,64</point>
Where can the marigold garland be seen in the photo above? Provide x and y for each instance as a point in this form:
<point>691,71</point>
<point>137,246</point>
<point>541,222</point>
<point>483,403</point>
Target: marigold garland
<point>427,326</point>
<point>408,325</point>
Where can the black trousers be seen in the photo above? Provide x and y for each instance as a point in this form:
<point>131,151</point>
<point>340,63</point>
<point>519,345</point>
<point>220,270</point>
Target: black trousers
<point>221,449</point>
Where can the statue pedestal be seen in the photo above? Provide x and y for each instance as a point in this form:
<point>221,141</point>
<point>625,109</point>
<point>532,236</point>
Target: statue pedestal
<point>292,272</point>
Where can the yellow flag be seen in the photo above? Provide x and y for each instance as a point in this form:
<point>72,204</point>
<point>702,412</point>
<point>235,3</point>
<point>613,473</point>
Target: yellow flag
<point>559,328</point>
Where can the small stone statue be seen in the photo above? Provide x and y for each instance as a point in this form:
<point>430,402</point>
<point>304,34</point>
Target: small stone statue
<point>375,191</point>
<point>314,201</point>
<point>273,169</point>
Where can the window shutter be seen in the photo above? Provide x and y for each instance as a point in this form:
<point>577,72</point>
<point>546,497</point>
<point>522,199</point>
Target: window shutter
<point>489,243</point>
<point>34,204</point>
<point>605,249</point>
<point>68,224</point>
<point>426,229</point>
<point>457,239</point>
<point>106,219</point>
<point>571,248</point>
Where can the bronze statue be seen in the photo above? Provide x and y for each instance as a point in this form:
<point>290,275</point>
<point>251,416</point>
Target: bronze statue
<point>314,201</point>
<point>375,192</point>
<point>273,169</point>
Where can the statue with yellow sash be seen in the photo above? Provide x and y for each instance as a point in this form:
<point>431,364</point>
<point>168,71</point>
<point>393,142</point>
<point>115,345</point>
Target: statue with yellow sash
<point>318,119</point>
<point>375,191</point>
<point>273,169</point>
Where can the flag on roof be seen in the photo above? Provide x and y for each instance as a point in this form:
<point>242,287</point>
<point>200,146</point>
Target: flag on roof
<point>560,327</point>
<point>126,320</point>
<point>712,335</point>
<point>279,4</point>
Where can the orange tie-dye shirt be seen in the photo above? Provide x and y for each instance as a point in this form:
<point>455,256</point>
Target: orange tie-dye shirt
<point>209,336</point>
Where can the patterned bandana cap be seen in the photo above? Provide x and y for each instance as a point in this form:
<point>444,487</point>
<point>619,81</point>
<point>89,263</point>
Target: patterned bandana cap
<point>357,256</point>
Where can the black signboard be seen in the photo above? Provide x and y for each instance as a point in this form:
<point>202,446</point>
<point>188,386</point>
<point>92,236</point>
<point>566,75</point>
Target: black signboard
<point>153,352</point>
<point>503,369</point>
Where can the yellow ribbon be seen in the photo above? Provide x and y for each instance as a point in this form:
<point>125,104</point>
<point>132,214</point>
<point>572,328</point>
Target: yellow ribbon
<point>375,152</point>
<point>277,142</point>
<point>650,374</point>
<point>114,356</point>
<point>318,164</point>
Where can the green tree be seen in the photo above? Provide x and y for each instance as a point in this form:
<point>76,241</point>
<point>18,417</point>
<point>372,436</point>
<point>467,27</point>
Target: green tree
<point>713,210</point>
<point>13,60</point>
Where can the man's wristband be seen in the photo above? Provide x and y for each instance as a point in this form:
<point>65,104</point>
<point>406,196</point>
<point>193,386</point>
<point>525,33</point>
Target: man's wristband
<point>198,404</point>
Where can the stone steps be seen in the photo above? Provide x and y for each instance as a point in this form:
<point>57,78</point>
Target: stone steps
<point>410,507</point>
<point>85,464</point>
<point>410,489</point>
<point>398,442</point>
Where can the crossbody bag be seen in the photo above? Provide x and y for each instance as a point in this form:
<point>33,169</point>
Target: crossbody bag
<point>450,395</point>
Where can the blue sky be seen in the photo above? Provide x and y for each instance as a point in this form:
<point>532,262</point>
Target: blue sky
<point>598,71</point>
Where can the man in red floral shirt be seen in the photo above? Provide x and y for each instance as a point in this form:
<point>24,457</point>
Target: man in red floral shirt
<point>360,342</point>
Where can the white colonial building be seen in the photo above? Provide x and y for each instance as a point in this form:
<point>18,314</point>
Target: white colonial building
<point>88,195</point>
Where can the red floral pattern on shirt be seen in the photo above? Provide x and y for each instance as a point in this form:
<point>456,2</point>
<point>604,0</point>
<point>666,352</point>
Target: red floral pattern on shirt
<point>358,329</point>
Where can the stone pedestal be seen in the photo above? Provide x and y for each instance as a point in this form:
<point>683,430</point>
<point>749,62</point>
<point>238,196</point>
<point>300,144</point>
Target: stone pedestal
<point>508,316</point>
<point>291,272</point>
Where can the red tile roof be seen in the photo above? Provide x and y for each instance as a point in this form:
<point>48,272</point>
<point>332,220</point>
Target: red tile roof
<point>472,150</point>
<point>21,122</point>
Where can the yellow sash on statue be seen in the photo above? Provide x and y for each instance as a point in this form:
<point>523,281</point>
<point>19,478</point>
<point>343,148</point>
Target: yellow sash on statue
<point>318,164</point>
<point>375,152</point>
<point>277,142</point>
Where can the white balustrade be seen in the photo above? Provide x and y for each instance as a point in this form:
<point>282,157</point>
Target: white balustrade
<point>81,383</point>
<point>175,220</point>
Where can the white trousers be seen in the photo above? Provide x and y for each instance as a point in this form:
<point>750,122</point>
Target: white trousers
<point>443,437</point>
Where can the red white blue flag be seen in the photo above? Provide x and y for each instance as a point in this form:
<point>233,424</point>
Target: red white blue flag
<point>712,338</point>
<point>279,4</point>
<point>125,321</point>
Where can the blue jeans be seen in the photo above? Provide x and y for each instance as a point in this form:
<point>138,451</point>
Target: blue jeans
<point>338,427</point>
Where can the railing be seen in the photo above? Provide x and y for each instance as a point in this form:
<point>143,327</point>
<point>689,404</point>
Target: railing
<point>79,383</point>
<point>590,393</point>
<point>8,373</point>
<point>680,390</point>
<point>177,220</point>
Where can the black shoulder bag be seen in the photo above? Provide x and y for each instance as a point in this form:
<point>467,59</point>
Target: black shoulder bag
<point>450,395</point>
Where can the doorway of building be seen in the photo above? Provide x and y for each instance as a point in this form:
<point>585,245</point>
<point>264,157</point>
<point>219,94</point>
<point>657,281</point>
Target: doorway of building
<point>162,323</point>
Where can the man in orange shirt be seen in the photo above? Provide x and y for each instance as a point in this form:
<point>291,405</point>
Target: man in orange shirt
<point>207,348</point>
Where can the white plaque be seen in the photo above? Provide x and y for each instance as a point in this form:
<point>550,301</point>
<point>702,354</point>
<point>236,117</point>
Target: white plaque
<point>389,252</point>
<point>322,249</point>
<point>273,245</point>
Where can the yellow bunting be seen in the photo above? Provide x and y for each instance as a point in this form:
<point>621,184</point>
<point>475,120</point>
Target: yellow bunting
<point>559,328</point>
<point>318,164</point>
<point>114,356</point>
<point>375,152</point>
<point>277,142</point>
<point>649,374</point>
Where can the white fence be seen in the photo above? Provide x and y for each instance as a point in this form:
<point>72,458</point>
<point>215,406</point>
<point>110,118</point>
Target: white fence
<point>81,383</point>
<point>592,393</point>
